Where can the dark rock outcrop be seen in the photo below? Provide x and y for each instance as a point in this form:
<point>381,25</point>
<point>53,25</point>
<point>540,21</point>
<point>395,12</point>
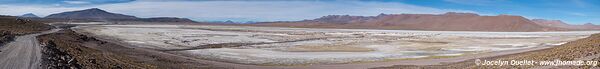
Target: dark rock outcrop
<point>54,58</point>
<point>5,37</point>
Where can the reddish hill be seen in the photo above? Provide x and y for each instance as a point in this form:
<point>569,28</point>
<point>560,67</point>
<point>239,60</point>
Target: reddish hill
<point>560,24</point>
<point>551,23</point>
<point>590,26</point>
<point>442,22</point>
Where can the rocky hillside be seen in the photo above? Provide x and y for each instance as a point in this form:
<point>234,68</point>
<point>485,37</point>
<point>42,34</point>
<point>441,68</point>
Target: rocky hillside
<point>5,37</point>
<point>451,21</point>
<point>67,49</point>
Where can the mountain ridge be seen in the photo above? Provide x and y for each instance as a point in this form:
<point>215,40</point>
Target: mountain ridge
<point>451,21</point>
<point>93,13</point>
<point>29,15</point>
<point>96,14</point>
<point>561,24</point>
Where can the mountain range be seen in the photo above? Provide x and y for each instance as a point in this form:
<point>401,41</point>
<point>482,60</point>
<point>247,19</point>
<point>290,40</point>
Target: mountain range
<point>95,14</point>
<point>451,21</point>
<point>561,24</point>
<point>29,15</point>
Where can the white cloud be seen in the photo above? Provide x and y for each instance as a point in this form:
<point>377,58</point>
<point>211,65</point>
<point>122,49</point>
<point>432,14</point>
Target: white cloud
<point>579,3</point>
<point>242,10</point>
<point>474,2</point>
<point>76,2</point>
<point>578,14</point>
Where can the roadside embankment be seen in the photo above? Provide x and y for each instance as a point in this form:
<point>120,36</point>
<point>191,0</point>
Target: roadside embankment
<point>66,49</point>
<point>5,37</point>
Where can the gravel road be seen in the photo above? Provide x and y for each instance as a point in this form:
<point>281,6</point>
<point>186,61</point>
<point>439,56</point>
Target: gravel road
<point>23,53</point>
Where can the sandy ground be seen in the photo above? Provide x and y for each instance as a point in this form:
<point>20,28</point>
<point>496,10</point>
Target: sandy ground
<point>369,65</point>
<point>581,49</point>
<point>23,53</point>
<point>331,47</point>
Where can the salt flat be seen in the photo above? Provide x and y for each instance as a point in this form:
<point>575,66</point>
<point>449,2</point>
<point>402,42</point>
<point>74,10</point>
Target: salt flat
<point>298,46</point>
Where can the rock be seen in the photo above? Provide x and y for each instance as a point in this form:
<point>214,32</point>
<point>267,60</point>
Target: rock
<point>70,61</point>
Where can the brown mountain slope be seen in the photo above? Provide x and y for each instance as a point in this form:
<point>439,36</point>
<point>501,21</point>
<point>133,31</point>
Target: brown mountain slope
<point>96,14</point>
<point>93,13</point>
<point>443,22</point>
<point>552,23</point>
<point>560,24</point>
<point>590,26</point>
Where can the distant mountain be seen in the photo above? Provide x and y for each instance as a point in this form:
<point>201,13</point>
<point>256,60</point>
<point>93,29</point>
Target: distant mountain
<point>552,23</point>
<point>228,22</point>
<point>450,21</point>
<point>93,13</point>
<point>560,24</point>
<point>589,24</point>
<point>29,15</point>
<point>166,19</point>
<point>341,19</point>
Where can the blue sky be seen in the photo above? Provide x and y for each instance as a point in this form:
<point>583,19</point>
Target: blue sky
<point>570,11</point>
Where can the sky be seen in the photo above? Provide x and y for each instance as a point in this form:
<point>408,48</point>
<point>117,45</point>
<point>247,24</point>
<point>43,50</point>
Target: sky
<point>570,11</point>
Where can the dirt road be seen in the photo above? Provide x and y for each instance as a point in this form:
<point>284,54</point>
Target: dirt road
<point>23,53</point>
